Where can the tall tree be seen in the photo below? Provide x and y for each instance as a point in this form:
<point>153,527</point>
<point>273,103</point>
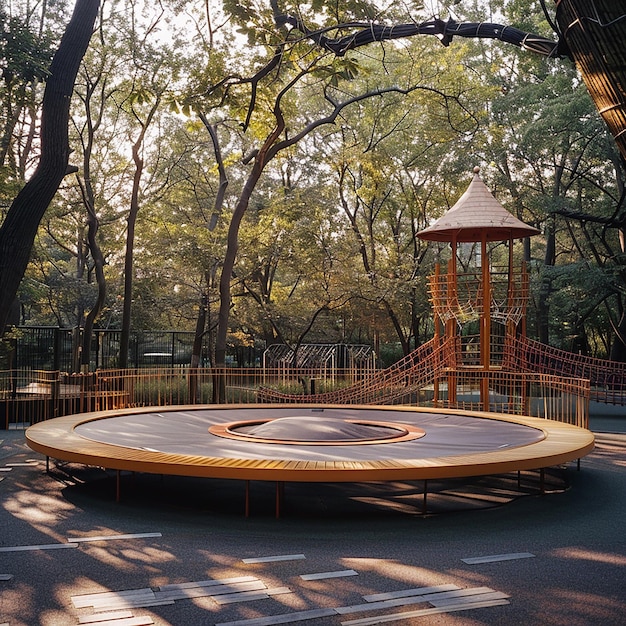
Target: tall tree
<point>292,70</point>
<point>19,228</point>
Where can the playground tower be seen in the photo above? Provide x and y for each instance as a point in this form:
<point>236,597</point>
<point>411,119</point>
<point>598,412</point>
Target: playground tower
<point>484,285</point>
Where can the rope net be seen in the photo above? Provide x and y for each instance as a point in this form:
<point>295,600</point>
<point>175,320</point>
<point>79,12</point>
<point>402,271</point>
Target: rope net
<point>607,378</point>
<point>462,299</point>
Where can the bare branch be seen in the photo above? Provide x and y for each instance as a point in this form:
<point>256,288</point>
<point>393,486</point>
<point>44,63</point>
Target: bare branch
<point>221,192</point>
<point>338,107</point>
<point>229,81</point>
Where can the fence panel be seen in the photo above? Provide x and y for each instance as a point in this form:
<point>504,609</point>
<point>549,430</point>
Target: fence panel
<point>52,348</point>
<point>27,397</point>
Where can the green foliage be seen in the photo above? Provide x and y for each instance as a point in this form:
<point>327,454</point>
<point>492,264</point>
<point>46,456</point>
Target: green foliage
<point>578,322</point>
<point>327,247</point>
<point>303,387</point>
<point>344,68</point>
<point>24,56</point>
<point>24,59</point>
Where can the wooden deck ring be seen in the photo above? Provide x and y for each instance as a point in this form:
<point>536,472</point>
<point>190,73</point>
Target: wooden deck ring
<point>60,439</point>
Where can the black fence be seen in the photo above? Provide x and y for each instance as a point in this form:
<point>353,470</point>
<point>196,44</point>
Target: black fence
<point>53,348</point>
<point>50,348</point>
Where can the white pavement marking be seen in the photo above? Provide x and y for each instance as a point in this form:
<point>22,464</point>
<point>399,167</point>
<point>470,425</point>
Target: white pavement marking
<point>272,559</point>
<point>51,546</point>
<point>6,576</point>
<point>113,537</point>
<point>286,618</point>
<point>415,599</point>
<point>27,464</point>
<point>204,592</point>
<point>325,575</point>
<point>248,596</point>
<point>222,591</point>
<point>106,597</point>
<point>244,596</point>
<point>404,593</point>
<point>498,557</point>
<point>483,597</point>
<point>458,600</point>
<point>207,583</point>
<point>459,593</point>
<point>6,469</point>
<point>132,603</point>
<point>366,621</point>
<point>93,619</point>
<point>384,604</point>
<point>130,621</point>
<point>253,585</point>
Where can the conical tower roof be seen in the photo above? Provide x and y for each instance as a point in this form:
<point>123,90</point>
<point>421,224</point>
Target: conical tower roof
<point>477,213</point>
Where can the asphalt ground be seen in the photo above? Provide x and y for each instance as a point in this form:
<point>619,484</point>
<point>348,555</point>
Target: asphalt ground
<point>559,558</point>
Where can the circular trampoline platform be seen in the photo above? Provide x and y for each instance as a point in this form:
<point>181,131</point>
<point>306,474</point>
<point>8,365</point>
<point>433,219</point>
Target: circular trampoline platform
<point>308,443</point>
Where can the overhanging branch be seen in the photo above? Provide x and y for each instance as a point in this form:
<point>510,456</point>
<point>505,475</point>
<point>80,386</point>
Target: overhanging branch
<point>369,32</point>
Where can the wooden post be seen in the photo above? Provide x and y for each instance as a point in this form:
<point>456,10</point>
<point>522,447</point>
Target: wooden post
<point>278,493</point>
<point>452,297</point>
<point>486,308</point>
<point>485,325</point>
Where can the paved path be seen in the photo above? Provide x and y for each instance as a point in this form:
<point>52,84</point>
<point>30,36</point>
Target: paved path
<point>354,555</point>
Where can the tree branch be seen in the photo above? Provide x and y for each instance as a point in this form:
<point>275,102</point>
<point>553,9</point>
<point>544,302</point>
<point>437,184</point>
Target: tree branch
<point>221,192</point>
<point>338,107</point>
<point>369,32</point>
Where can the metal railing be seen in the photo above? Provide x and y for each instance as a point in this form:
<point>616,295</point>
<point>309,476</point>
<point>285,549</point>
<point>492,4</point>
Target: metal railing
<point>31,396</point>
<point>546,396</point>
<point>27,397</point>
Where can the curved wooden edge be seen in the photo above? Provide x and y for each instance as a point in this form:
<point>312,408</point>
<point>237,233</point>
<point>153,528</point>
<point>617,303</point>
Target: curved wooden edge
<point>406,432</point>
<point>561,443</point>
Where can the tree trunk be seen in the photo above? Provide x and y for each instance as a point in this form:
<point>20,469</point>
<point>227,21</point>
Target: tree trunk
<point>196,353</point>
<point>128,260</point>
<point>545,289</point>
<point>404,340</point>
<point>219,391</point>
<point>98,258</point>
<point>19,229</point>
<point>618,349</point>
<point>129,269</point>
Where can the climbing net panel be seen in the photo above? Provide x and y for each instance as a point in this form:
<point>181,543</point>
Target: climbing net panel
<point>460,297</point>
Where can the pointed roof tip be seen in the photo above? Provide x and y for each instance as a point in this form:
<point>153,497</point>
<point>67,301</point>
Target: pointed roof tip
<point>475,215</point>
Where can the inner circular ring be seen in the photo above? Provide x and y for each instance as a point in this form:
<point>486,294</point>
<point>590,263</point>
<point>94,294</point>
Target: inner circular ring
<point>382,432</point>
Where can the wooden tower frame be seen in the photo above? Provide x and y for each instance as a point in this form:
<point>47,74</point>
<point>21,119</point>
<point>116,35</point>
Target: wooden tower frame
<point>457,297</point>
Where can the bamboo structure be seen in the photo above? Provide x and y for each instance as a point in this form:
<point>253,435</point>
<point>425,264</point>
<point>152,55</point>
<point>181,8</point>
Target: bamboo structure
<point>594,32</point>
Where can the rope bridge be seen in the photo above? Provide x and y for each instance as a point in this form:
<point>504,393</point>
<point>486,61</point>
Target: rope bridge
<point>607,378</point>
<point>398,384</point>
